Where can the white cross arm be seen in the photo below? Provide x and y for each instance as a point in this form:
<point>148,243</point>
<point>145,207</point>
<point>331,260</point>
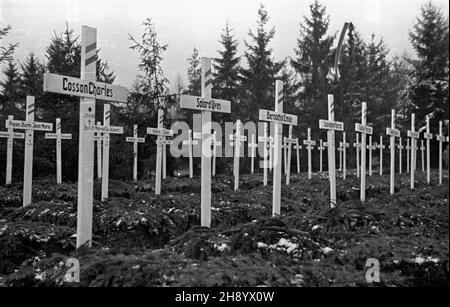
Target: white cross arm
<point>161,132</point>
<point>187,142</point>
<point>283,118</point>
<point>310,143</point>
<point>428,136</point>
<point>344,144</point>
<point>14,135</point>
<point>288,140</point>
<point>84,88</point>
<point>363,129</point>
<point>64,136</point>
<point>164,142</point>
<point>20,124</point>
<point>331,125</point>
<point>108,129</point>
<point>440,138</point>
<point>132,139</point>
<point>241,138</point>
<point>201,104</point>
<point>393,132</point>
<point>413,134</point>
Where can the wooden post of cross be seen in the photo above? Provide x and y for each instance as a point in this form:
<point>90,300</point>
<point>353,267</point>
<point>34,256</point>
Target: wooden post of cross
<point>98,137</point>
<point>206,105</point>
<point>237,139</point>
<point>408,147</point>
<point>364,130</point>
<point>428,136</point>
<point>29,125</point>
<point>393,133</point>
<point>440,139</point>
<point>321,148</point>
<point>265,140</point>
<point>330,125</point>
<point>422,149</point>
<point>357,147</point>
<point>10,135</point>
<point>339,149</point>
<point>289,141</point>
<point>215,144</point>
<point>106,129</point>
<point>413,134</point>
<point>190,143</point>
<point>310,146</point>
<point>279,118</point>
<point>297,148</point>
<point>345,145</point>
<point>400,149</point>
<point>370,147</point>
<point>381,147</point>
<point>135,140</point>
<point>252,148</point>
<point>161,134</point>
<point>58,136</point>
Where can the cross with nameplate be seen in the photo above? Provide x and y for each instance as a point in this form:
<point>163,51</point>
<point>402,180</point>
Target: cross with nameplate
<point>189,142</point>
<point>371,147</point>
<point>10,135</point>
<point>310,146</point>
<point>98,137</point>
<point>206,105</point>
<point>413,134</point>
<point>364,130</point>
<point>135,140</point>
<point>279,118</point>
<point>58,136</point>
<point>441,138</point>
<point>422,149</point>
<point>381,146</point>
<point>289,141</point>
<point>393,133</point>
<point>400,149</point>
<point>344,146</point>
<point>236,140</point>
<point>408,147</point>
<point>428,136</point>
<point>106,130</point>
<point>161,134</point>
<point>265,140</point>
<point>29,125</point>
<point>252,146</point>
<point>331,125</point>
<point>357,147</point>
<point>321,148</point>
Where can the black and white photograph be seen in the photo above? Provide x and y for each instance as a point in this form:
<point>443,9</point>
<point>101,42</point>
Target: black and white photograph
<point>223,151</point>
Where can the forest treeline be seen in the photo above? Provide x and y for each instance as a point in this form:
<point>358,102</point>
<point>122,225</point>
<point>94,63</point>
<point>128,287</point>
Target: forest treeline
<point>367,72</point>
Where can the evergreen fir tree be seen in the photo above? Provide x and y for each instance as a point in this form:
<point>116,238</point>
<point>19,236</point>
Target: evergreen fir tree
<point>194,74</point>
<point>31,78</point>
<point>12,103</point>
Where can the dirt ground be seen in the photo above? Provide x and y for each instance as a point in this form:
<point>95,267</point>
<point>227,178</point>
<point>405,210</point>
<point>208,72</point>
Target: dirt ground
<point>145,240</point>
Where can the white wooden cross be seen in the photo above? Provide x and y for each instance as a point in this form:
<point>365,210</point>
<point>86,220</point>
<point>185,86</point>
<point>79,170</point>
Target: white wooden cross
<point>161,134</point>
<point>330,125</point>
<point>236,139</point>
<point>285,149</point>
<point>400,149</point>
<point>215,144</point>
<point>357,147</point>
<point>370,147</point>
<point>58,136</point>
<point>10,135</point>
<point>408,147</point>
<point>266,143</point>
<point>297,148</point>
<point>422,149</point>
<point>339,149</point>
<point>393,133</point>
<point>206,104</point>
<point>381,146</point>
<point>29,125</point>
<point>289,141</point>
<point>88,89</point>
<point>106,130</point>
<point>428,136</point>
<point>279,118</point>
<point>310,146</point>
<point>135,140</point>
<point>190,142</point>
<point>344,145</point>
<point>252,149</point>
<point>441,139</point>
<point>413,134</point>
<point>364,130</point>
<point>321,148</point>
<point>98,137</point>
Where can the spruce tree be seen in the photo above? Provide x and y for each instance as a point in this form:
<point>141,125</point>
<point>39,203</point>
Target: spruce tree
<point>258,80</point>
<point>12,103</point>
<point>6,52</point>
<point>31,77</point>
<point>194,74</point>
<point>313,61</point>
<point>429,38</point>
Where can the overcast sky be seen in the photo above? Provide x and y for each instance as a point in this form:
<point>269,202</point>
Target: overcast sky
<point>184,24</point>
